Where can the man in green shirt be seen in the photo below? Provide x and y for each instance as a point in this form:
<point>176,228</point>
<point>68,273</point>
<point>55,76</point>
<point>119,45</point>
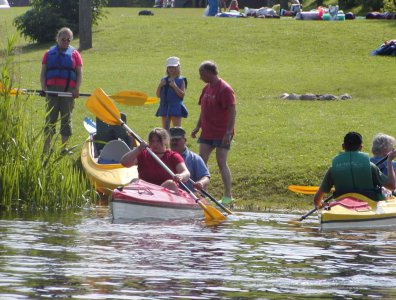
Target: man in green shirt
<point>352,172</point>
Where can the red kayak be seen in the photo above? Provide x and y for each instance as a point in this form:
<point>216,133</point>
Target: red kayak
<point>143,200</point>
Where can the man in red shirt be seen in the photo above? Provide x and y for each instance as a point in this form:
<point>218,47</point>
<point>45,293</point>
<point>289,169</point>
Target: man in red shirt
<point>216,122</point>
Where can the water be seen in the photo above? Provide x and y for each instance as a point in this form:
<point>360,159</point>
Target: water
<point>252,256</point>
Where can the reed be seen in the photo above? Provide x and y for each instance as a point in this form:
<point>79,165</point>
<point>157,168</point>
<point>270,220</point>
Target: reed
<point>28,180</point>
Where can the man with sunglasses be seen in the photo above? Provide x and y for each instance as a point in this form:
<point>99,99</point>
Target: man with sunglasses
<point>61,71</point>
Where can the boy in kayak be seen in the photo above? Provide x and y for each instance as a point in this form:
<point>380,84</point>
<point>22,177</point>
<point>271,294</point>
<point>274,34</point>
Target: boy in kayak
<point>352,172</point>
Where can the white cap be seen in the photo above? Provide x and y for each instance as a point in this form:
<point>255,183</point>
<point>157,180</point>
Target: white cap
<point>172,61</point>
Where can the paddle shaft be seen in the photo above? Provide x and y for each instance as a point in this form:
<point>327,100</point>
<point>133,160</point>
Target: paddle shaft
<point>53,93</point>
<point>69,94</point>
<point>205,193</point>
<point>315,209</point>
<point>331,197</point>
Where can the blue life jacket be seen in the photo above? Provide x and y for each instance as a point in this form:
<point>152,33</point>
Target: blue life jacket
<point>351,171</point>
<point>60,65</point>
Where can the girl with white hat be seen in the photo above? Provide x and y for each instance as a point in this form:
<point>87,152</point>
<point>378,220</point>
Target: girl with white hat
<point>171,91</point>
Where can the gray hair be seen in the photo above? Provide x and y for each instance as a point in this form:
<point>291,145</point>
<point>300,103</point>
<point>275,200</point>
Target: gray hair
<point>382,144</point>
<point>64,30</point>
<point>209,66</point>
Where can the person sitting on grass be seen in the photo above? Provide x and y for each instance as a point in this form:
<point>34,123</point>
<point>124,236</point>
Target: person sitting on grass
<point>149,169</point>
<point>234,5</point>
<point>352,172</point>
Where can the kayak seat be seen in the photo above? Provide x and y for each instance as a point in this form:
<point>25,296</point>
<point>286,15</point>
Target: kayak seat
<point>112,152</point>
<point>352,203</point>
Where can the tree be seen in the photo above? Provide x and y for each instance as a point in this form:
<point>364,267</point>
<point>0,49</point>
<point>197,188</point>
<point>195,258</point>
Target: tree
<point>46,17</point>
<point>85,22</point>
<point>284,4</point>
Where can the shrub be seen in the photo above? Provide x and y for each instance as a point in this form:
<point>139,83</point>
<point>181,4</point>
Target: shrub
<point>30,180</point>
<point>368,5</point>
<point>390,5</point>
<point>46,17</point>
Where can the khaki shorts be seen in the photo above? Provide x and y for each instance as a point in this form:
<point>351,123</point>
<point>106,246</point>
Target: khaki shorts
<point>59,107</point>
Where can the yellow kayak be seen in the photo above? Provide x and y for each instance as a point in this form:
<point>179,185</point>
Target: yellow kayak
<point>355,211</point>
<point>109,174</point>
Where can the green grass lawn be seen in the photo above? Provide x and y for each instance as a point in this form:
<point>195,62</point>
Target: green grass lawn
<point>277,142</point>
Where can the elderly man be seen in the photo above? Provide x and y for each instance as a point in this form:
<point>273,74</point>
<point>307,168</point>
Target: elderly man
<point>216,122</point>
<point>195,164</point>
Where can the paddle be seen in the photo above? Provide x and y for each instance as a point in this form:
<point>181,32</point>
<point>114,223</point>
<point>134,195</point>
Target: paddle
<point>101,106</point>
<point>331,197</point>
<point>205,193</point>
<point>130,98</point>
<point>315,209</point>
<point>90,126</point>
<point>301,189</point>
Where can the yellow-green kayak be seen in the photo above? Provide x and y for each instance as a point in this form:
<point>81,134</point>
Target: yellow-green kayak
<point>106,176</point>
<point>355,211</point>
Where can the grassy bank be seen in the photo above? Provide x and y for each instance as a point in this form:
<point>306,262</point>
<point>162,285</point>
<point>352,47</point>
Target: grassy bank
<point>277,142</point>
<point>29,179</point>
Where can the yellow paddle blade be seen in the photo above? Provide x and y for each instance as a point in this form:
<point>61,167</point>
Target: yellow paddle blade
<point>307,190</point>
<point>218,216</point>
<point>151,100</point>
<point>101,106</point>
<point>130,98</point>
<point>12,92</point>
<point>3,90</point>
<point>211,213</point>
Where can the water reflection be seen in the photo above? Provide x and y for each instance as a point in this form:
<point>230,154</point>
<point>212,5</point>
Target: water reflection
<point>251,256</point>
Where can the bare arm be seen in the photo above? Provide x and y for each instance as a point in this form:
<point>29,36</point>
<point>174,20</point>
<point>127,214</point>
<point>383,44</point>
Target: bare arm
<point>43,79</point>
<point>391,182</point>
<point>160,86</point>
<point>130,159</point>
<point>197,127</point>
<point>318,199</point>
<point>180,91</point>
<point>182,173</point>
<point>230,125</point>
<point>202,183</point>
<point>76,90</point>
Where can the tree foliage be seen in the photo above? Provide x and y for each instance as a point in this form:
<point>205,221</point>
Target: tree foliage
<point>46,17</point>
<point>390,5</point>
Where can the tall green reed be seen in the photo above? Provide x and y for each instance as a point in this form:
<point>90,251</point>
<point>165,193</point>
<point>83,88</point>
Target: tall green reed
<point>30,179</point>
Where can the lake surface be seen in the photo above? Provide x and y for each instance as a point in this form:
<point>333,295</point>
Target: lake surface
<point>83,255</point>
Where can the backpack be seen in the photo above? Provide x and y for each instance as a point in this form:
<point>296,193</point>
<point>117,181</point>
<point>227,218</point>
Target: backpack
<point>146,13</point>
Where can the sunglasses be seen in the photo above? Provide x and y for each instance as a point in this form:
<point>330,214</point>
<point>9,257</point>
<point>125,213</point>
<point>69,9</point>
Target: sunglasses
<point>66,40</point>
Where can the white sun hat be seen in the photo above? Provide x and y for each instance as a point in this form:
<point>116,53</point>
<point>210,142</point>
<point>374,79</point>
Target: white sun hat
<point>173,61</point>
